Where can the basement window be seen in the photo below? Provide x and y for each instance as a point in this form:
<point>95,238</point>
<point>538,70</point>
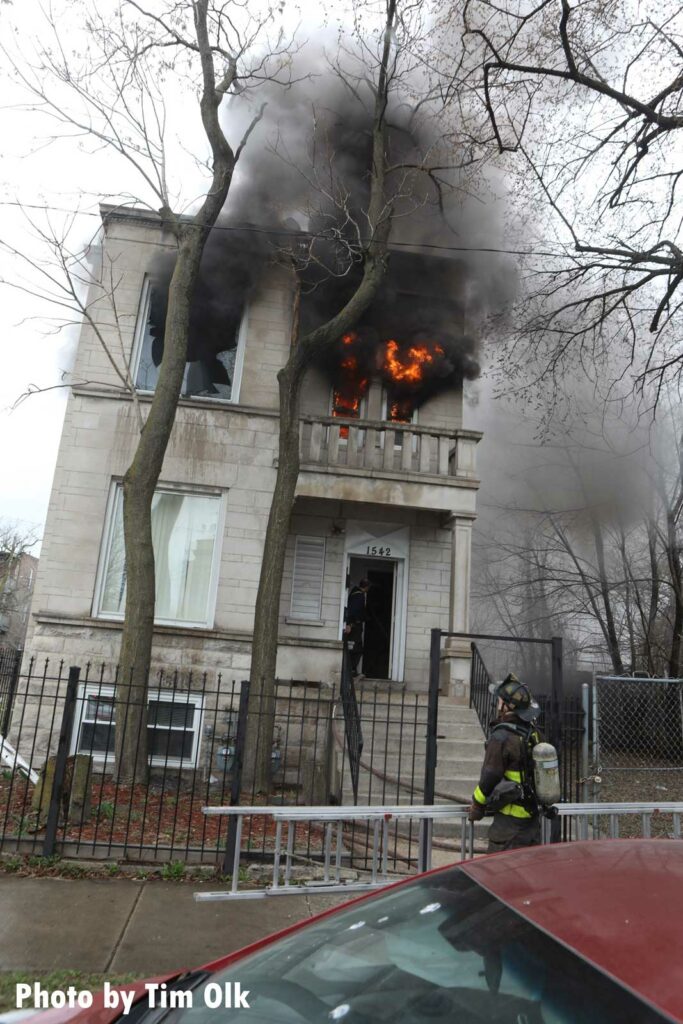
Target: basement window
<point>173,726</point>
<point>216,352</point>
<point>186,528</point>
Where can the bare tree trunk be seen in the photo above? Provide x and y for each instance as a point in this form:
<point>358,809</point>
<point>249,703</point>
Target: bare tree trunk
<point>139,483</point>
<point>143,473</point>
<point>673,554</point>
<point>256,768</point>
<point>610,628</point>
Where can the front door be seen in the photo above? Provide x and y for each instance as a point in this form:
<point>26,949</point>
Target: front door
<point>379,625</point>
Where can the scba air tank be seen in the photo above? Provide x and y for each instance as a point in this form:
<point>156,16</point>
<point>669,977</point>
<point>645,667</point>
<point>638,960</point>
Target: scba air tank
<point>546,774</point>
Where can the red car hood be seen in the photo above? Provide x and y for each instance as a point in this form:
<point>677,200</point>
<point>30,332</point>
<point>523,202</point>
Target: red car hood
<point>617,903</point>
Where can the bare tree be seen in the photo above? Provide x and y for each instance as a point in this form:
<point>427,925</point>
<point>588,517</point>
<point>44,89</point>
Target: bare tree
<point>583,104</point>
<point>16,581</point>
<point>112,95</point>
<point>607,565</point>
<point>354,240</point>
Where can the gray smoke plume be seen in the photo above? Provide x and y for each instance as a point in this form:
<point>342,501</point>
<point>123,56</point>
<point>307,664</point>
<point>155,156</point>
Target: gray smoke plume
<point>300,194</point>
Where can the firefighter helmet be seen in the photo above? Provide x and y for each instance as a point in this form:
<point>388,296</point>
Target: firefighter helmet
<point>516,695</point>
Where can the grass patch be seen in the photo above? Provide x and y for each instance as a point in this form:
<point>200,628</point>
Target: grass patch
<point>52,980</point>
<point>174,871</point>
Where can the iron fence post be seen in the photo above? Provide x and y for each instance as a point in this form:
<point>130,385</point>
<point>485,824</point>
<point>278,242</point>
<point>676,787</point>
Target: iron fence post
<point>586,708</point>
<point>236,781</point>
<point>557,692</point>
<point>431,745</point>
<point>60,761</point>
<point>556,669</point>
<point>8,695</point>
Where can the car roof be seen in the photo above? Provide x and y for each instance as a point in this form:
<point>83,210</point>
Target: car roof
<point>617,902</point>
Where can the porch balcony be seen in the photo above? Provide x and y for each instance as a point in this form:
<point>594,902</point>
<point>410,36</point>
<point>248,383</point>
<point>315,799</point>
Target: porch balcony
<point>388,463</point>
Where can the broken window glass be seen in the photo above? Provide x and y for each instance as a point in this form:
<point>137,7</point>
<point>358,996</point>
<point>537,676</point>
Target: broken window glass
<point>213,345</point>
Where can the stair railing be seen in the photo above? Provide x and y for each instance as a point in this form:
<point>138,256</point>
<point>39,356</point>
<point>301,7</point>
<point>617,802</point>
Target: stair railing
<point>481,698</point>
<point>352,726</point>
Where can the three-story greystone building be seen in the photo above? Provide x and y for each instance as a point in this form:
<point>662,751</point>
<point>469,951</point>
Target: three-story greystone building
<point>387,487</point>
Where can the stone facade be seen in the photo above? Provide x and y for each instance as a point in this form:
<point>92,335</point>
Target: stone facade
<point>229,449</point>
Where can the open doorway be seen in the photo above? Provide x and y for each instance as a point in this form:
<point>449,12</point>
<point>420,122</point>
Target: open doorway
<point>379,627</point>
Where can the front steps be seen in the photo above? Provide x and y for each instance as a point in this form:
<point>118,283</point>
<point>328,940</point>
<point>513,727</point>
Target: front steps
<point>392,769</point>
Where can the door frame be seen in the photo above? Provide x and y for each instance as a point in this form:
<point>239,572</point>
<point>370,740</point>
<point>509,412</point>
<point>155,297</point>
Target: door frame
<point>361,537</point>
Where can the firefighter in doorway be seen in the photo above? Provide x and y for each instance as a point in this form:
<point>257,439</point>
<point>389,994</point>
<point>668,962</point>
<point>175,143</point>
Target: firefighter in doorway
<point>355,617</point>
<point>506,785</point>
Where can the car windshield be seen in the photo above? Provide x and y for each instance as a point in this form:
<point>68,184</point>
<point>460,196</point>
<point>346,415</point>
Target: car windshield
<point>440,949</point>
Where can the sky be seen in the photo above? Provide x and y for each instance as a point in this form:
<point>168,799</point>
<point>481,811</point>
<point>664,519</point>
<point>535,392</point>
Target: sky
<point>64,175</point>
<point>45,167</point>
<point>40,172</point>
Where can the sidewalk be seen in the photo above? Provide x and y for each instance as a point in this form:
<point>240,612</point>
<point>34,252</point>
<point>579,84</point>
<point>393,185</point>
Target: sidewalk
<point>119,925</point>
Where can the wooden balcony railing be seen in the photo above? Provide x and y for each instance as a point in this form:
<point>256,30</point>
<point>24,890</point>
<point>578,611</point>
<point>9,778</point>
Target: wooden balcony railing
<point>334,443</point>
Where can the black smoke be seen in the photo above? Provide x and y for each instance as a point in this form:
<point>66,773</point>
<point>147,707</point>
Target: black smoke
<point>420,305</point>
<point>231,264</point>
<point>300,197</point>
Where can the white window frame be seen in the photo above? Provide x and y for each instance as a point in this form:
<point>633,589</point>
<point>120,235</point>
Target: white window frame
<point>97,690</point>
<point>108,536</point>
<point>138,340</point>
<point>321,544</point>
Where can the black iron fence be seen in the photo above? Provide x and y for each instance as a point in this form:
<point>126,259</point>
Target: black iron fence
<point>564,724</point>
<point>481,698</point>
<point>65,789</point>
<point>562,720</point>
<point>392,765</point>
<point>10,660</point>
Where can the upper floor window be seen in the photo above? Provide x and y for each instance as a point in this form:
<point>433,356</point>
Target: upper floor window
<point>216,349</point>
<point>185,535</point>
<point>398,410</point>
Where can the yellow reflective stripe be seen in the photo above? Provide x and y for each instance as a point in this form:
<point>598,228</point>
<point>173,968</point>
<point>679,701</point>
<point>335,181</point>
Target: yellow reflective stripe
<point>516,810</point>
<point>479,796</point>
<point>514,776</point>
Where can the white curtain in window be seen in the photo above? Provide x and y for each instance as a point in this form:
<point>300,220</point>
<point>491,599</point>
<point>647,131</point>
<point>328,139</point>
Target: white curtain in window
<point>114,587</point>
<point>184,528</point>
<point>165,511</point>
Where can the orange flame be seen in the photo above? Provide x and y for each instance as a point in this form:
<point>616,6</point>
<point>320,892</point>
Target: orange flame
<point>400,411</point>
<point>348,406</point>
<point>411,367</point>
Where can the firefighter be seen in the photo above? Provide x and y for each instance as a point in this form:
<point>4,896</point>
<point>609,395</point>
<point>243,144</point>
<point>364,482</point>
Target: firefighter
<point>354,618</point>
<point>506,784</point>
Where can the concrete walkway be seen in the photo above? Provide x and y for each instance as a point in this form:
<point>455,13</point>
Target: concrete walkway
<point>117,926</point>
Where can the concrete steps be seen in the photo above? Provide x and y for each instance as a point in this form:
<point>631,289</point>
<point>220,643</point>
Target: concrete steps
<point>394,730</point>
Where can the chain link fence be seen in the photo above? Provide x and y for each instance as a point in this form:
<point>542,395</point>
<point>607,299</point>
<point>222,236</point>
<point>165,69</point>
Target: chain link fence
<point>636,743</point>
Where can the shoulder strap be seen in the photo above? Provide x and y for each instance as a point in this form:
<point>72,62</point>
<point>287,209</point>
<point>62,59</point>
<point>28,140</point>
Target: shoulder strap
<point>513,727</point>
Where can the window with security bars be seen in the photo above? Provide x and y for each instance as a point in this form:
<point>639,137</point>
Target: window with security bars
<point>307,578</point>
<point>173,727</point>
